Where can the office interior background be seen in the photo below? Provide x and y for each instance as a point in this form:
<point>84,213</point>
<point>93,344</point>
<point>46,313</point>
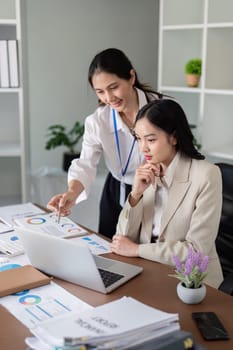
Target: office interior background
<point>58,39</point>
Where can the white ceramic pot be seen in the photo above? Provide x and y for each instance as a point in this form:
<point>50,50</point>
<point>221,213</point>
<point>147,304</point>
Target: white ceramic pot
<point>189,295</point>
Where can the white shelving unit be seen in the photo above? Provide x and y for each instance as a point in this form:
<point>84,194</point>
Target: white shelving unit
<point>200,29</point>
<point>13,132</point>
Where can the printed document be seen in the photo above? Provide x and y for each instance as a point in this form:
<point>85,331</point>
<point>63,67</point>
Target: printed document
<point>37,305</point>
<point>119,321</point>
<point>48,223</point>
<point>96,244</point>
<point>9,213</point>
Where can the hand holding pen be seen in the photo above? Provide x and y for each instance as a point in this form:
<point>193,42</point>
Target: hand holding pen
<point>59,212</point>
<point>62,203</point>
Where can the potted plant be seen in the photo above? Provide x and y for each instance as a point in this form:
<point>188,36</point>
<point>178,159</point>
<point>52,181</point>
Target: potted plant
<point>193,71</point>
<point>59,136</point>
<point>191,274</point>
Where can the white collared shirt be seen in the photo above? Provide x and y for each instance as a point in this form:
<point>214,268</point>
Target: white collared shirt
<point>161,195</point>
<point>98,139</point>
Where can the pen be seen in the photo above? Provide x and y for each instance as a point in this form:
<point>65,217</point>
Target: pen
<point>59,214</point>
<point>79,347</point>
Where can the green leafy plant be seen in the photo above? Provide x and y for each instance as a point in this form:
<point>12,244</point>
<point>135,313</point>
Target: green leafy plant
<point>193,66</point>
<point>191,272</point>
<point>59,136</point>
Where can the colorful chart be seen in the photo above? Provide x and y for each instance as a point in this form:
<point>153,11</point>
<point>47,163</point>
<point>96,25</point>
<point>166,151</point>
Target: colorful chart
<point>8,267</point>
<point>66,225</point>
<point>75,229</point>
<point>30,299</point>
<point>36,220</point>
<point>14,238</point>
<point>93,242</point>
<point>21,293</point>
<point>48,223</point>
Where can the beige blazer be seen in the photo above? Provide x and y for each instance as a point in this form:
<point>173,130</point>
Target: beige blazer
<point>191,217</point>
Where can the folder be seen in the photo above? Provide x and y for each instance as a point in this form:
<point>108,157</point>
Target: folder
<point>178,340</point>
<point>21,278</point>
<point>13,63</point>
<point>4,65</point>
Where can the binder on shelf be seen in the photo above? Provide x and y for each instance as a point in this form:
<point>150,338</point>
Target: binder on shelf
<point>13,63</point>
<point>4,65</point>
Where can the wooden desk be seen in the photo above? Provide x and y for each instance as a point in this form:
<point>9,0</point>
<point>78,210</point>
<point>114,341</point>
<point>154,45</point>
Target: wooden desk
<point>152,287</point>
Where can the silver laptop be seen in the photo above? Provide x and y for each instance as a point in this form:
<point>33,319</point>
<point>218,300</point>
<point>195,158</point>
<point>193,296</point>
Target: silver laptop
<point>74,262</point>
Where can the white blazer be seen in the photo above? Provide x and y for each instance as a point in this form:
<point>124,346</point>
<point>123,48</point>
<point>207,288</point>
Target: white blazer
<point>191,217</point>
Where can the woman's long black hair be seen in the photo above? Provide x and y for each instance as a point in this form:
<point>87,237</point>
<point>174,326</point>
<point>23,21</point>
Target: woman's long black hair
<point>114,61</point>
<point>169,116</point>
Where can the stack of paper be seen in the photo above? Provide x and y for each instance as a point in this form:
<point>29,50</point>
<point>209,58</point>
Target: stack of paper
<point>117,325</point>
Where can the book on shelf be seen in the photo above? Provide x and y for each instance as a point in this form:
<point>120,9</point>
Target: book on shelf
<point>4,65</point>
<point>117,324</point>
<point>13,63</point>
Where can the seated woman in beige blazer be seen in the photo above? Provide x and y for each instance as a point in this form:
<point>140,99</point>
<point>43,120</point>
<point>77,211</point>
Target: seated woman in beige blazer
<point>176,198</point>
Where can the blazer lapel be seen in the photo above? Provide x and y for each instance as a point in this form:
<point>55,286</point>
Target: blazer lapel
<point>177,191</point>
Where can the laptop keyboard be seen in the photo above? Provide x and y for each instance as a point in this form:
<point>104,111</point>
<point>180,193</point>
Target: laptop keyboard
<point>109,277</point>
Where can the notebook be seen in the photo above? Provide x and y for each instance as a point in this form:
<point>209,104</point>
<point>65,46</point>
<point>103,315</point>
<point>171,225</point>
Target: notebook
<point>21,278</point>
<point>74,262</point>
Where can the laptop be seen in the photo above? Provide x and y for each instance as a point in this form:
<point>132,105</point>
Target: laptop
<point>74,262</point>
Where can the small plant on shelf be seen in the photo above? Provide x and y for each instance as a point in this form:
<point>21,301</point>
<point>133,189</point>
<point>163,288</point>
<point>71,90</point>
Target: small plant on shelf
<point>193,69</point>
<point>59,136</point>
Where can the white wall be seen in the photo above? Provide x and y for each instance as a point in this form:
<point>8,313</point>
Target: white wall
<point>62,38</point>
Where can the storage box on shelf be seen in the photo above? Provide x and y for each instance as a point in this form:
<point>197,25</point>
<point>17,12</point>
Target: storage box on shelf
<point>200,29</point>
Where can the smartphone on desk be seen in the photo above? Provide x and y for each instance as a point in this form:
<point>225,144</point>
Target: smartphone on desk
<point>210,326</point>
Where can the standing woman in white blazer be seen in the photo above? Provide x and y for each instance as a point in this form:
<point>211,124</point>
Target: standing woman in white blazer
<point>108,132</point>
<point>176,198</point>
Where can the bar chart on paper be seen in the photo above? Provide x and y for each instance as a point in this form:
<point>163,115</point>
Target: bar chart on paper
<point>96,244</point>
<point>40,304</point>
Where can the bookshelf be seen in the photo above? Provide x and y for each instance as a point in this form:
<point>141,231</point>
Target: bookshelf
<point>13,132</point>
<point>200,29</point>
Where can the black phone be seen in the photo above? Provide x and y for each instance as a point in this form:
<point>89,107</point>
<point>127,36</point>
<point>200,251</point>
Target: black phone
<point>210,326</point>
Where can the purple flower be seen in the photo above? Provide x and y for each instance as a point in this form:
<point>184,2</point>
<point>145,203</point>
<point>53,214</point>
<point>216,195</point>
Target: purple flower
<point>191,272</point>
<point>191,256</point>
<point>177,262</point>
<point>203,265</point>
<point>188,266</point>
<point>190,253</point>
<point>197,258</point>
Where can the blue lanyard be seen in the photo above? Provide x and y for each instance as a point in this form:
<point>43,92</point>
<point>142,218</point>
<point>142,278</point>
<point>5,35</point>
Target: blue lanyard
<point>123,170</point>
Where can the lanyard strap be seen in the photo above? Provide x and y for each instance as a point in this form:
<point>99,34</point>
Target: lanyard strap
<point>123,170</point>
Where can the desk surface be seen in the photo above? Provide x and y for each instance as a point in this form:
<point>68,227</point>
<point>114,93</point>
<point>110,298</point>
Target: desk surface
<point>152,287</point>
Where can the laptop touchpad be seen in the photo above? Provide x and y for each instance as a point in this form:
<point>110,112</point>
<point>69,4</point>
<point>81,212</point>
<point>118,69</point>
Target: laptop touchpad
<point>103,262</point>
